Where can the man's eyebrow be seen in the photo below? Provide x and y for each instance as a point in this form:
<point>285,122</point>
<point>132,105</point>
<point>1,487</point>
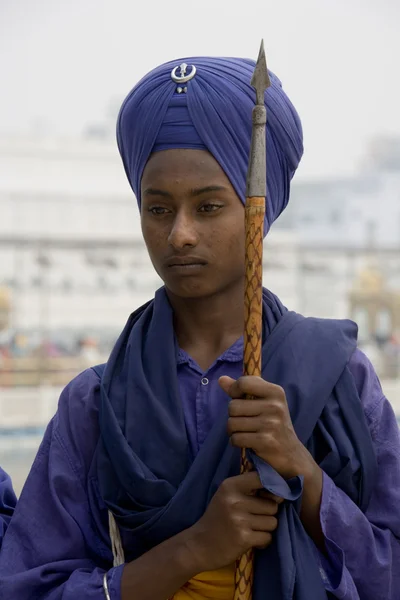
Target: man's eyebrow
<point>206,190</point>
<point>155,192</point>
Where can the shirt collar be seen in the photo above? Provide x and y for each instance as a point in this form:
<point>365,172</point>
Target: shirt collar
<point>232,354</point>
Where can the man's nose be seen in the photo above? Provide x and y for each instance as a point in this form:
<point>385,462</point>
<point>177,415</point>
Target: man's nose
<point>183,232</point>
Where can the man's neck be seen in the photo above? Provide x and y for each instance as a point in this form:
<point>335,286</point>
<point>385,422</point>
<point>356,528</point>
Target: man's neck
<point>206,327</point>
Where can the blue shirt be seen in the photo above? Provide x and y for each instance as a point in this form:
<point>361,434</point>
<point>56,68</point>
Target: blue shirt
<point>201,395</point>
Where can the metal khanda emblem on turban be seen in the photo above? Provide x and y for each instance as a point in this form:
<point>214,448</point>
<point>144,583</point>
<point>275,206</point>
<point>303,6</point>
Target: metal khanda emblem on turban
<point>183,77</point>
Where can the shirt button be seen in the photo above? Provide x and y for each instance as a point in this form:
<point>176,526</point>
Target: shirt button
<point>204,381</point>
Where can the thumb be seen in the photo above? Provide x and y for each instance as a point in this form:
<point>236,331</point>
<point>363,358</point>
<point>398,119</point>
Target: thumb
<point>225,383</point>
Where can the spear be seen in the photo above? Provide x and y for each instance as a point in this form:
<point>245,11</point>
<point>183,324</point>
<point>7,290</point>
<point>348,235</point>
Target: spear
<point>254,223</point>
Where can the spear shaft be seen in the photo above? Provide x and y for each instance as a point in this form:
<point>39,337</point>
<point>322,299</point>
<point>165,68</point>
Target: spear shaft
<point>254,225</point>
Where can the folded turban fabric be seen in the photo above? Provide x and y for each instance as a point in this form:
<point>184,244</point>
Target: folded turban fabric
<point>214,114</point>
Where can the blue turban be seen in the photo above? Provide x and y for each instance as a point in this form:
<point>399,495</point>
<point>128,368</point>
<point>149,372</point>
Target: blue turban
<point>214,114</point>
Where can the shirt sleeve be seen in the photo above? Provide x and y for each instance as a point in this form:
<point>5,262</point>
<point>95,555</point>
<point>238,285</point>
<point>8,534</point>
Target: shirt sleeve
<point>8,501</point>
<point>51,549</point>
<point>362,560</point>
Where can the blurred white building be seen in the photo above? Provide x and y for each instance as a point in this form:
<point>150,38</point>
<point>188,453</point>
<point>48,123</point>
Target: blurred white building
<point>70,243</point>
<point>357,212</point>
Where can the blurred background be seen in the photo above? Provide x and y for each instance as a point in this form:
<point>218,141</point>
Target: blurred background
<point>72,262</point>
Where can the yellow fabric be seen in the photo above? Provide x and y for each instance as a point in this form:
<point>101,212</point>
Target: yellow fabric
<point>218,584</point>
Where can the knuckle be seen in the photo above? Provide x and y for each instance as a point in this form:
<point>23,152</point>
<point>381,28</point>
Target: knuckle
<point>232,504</point>
<point>263,439</point>
<point>225,488</point>
<point>243,383</point>
<point>268,439</point>
<point>279,407</point>
<point>249,384</point>
<point>275,423</point>
<point>240,525</point>
<point>240,529</point>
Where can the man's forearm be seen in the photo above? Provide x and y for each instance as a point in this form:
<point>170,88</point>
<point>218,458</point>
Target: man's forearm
<point>311,505</point>
<point>162,571</point>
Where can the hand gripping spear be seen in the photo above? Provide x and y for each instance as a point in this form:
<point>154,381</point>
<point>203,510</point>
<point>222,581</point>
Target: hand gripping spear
<point>254,222</point>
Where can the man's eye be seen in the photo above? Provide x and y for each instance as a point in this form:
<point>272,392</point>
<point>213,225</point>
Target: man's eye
<point>157,210</point>
<point>210,207</point>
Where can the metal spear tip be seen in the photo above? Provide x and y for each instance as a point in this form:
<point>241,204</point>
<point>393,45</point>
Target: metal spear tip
<point>260,80</point>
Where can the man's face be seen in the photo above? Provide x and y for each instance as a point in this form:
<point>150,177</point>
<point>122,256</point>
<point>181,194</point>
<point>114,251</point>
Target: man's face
<point>192,223</point>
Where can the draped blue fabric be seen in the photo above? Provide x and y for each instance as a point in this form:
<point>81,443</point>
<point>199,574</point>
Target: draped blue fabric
<point>147,477</point>
<point>8,501</point>
<point>215,114</point>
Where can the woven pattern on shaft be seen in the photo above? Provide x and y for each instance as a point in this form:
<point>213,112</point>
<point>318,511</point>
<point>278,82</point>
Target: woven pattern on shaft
<point>255,210</point>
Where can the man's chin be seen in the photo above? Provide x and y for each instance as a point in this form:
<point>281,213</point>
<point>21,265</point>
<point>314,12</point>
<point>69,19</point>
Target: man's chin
<point>190,290</point>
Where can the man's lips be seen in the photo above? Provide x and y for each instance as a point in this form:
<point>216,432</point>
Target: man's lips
<point>185,262</point>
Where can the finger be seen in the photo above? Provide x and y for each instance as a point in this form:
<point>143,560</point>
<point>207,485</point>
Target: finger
<point>243,425</point>
<point>260,506</point>
<point>261,540</point>
<point>225,383</point>
<point>249,408</point>
<point>246,440</point>
<point>263,523</point>
<point>268,496</point>
<point>246,483</point>
<point>252,386</point>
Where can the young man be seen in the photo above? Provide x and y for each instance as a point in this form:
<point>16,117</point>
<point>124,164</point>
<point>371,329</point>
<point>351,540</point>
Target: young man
<point>7,502</point>
<point>147,449</point>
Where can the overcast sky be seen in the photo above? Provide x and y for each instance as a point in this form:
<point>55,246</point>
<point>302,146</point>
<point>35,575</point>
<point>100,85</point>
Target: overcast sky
<point>62,62</point>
